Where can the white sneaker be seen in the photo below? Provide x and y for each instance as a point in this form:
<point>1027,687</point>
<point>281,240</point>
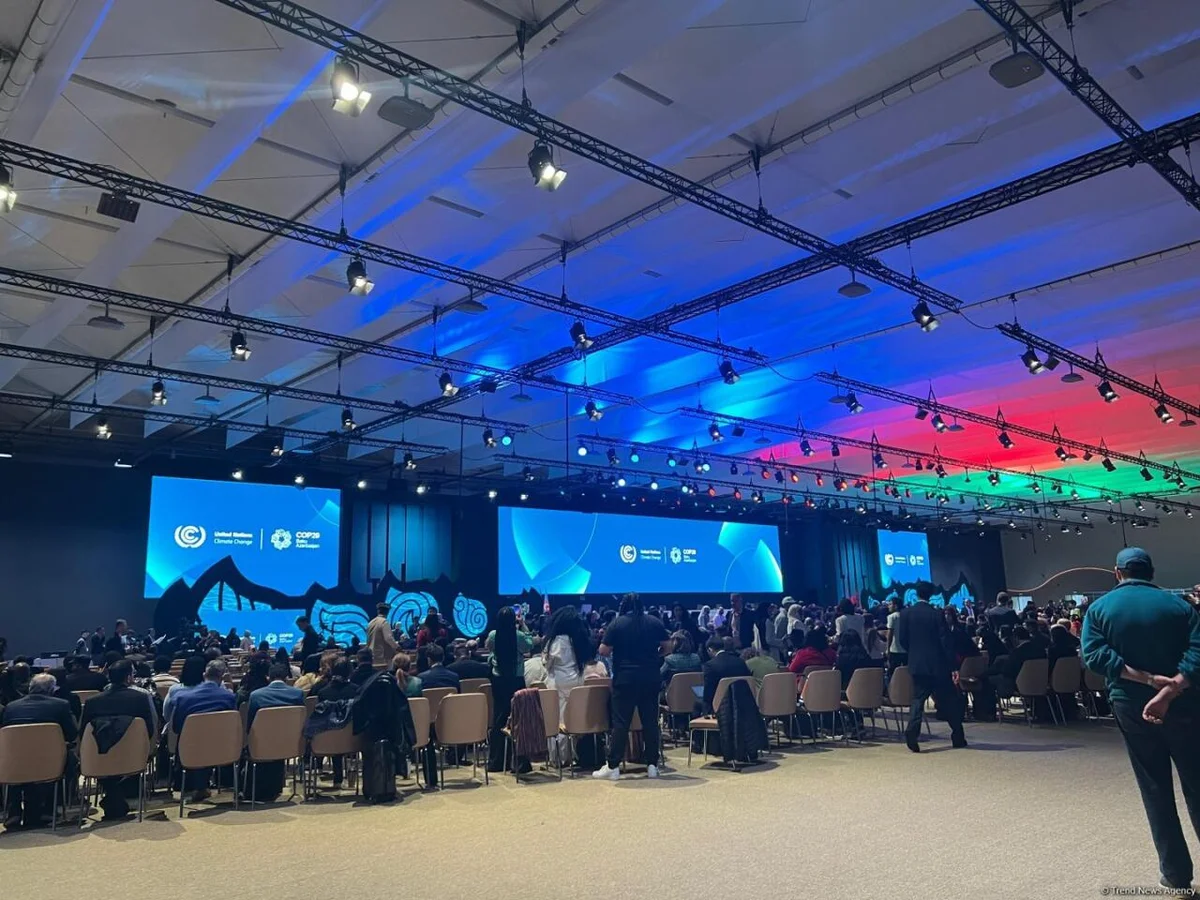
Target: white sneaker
<point>651,771</point>
<point>606,772</point>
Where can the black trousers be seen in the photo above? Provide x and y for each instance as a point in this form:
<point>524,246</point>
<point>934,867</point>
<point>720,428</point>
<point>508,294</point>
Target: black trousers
<point>642,696</point>
<point>503,688</point>
<point>948,703</point>
<point>1152,748</point>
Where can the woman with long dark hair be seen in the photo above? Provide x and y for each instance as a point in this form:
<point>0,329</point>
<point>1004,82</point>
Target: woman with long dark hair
<point>190,675</point>
<point>431,631</point>
<point>508,644</point>
<point>636,642</point>
<point>568,649</point>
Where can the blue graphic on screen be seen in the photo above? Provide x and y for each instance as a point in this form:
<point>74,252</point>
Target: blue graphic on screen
<point>280,537</point>
<point>223,609</point>
<point>903,557</point>
<point>560,552</point>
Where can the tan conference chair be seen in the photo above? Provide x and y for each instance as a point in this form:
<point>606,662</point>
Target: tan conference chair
<point>419,708</point>
<point>277,735</point>
<point>468,685</point>
<point>864,694</point>
<point>777,701</point>
<point>1033,681</point>
<point>586,712</point>
<point>435,696</point>
<point>211,740</point>
<point>708,724</point>
<point>85,696</point>
<point>822,694</point>
<point>681,700</point>
<point>1065,679</point>
<point>1094,686</point>
<point>462,719</point>
<point>33,754</point>
<point>900,698</point>
<point>130,756</point>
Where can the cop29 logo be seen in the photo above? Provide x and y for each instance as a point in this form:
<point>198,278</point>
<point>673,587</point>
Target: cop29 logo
<point>281,539</point>
<point>189,537</point>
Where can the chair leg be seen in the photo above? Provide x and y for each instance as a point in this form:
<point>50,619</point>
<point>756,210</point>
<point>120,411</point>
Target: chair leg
<point>54,808</point>
<point>182,789</point>
<point>142,795</point>
<point>689,756</point>
<point>253,784</point>
<point>235,786</point>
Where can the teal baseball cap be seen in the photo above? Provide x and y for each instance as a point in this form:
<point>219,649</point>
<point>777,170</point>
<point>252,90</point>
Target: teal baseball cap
<point>1134,556</point>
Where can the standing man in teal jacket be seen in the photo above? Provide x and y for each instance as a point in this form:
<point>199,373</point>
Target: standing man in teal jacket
<point>1146,642</point>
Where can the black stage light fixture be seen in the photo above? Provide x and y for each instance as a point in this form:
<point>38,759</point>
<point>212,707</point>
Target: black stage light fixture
<point>938,423</point>
<point>1108,464</point>
<point>924,317</point>
<point>489,438</point>
<point>712,491</point>
<point>853,289</point>
<point>634,456</point>
<point>488,385</point>
<point>579,337</point>
<point>446,385</point>
<point>993,478</point>
<point>103,430</point>
<point>880,462</point>
<point>835,450</point>
<point>348,96</point>
<point>611,455</point>
<point>239,347</point>
<point>1031,361</point>
<point>733,468</point>
<point>1071,377</point>
<point>348,423</point>
<point>714,432</point>
<point>1061,452</point>
<point>853,405</point>
<point>728,373</point>
<point>582,449</point>
<point>357,281</point>
<point>921,413</point>
<point>594,412</point>
<point>1005,441</point>
<point>806,447</point>
<point>276,450</point>
<point>158,393</point>
<point>737,493</point>
<point>1164,414</point>
<point>738,431</point>
<point>410,463</point>
<point>116,205</point>
<point>1052,362</point>
<point>1145,473</point>
<point>546,175</point>
<point>8,193</point>
<point>105,322</point>
<point>672,462</point>
<point>1106,391</point>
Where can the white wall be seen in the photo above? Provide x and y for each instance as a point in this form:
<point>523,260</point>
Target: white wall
<point>1174,546</point>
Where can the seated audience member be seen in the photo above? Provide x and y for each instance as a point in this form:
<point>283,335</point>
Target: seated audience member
<point>16,682</point>
<point>247,643</point>
<point>682,658</point>
<point>310,671</point>
<point>535,666</point>
<point>1009,667</point>
<point>959,640</point>
<point>410,685</point>
<point>264,647</point>
<point>431,631</point>
<point>876,641</point>
<point>210,695</point>
<point>760,663</point>
<point>29,805</point>
<point>257,675</point>
<point>80,676</point>
<point>340,687</point>
<point>111,714</point>
<point>364,667</point>
<point>849,620</point>
<point>465,665</point>
<point>325,670</point>
<point>1062,644</point>
<point>277,692</point>
<point>989,641</point>
<point>815,652</point>
<point>190,675</point>
<point>851,655</point>
<point>437,675</point>
<point>162,673</point>
<point>725,663</point>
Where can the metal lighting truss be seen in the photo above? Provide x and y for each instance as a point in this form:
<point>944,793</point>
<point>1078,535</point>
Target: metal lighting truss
<point>999,423</point>
<point>108,179</point>
<point>360,48</point>
<point>755,464</point>
<point>165,308</point>
<point>1098,368</point>
<point>1079,83</point>
<point>305,436</point>
<point>98,365</point>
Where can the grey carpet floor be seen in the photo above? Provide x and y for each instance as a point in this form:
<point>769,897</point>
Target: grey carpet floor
<point>1023,813</point>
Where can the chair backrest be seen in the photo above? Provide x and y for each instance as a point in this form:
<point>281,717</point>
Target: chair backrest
<point>31,754</point>
<point>972,667</point>
<point>549,710</point>
<point>900,687</point>
<point>419,707</point>
<point>467,685</point>
<point>865,690</point>
<point>680,696</point>
<point>1094,681</point>
<point>341,742</point>
<point>486,690</point>
<point>310,703</point>
<point>822,691</point>
<point>1065,678</point>
<point>85,696</point>
<point>723,686</point>
<point>598,680</point>
<point>777,696</point>
<point>277,733</point>
<point>162,689</point>
<point>1034,678</point>
<point>435,696</point>
<point>462,719</point>
<point>808,670</point>
<point>539,685</point>
<point>211,739</point>
<point>587,709</point>
<point>128,757</point>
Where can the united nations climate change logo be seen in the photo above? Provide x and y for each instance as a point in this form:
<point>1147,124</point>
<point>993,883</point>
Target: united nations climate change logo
<point>888,559</point>
<point>628,553</point>
<point>189,537</point>
<point>281,539</point>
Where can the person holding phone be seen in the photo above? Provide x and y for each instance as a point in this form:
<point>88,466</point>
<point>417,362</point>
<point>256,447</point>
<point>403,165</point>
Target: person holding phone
<point>508,644</point>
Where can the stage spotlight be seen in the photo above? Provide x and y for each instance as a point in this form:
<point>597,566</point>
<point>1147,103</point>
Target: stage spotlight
<point>276,450</point>
<point>1035,487</point>
<point>699,467</point>
<point>853,405</point>
<point>298,481</point>
<point>527,473</point>
<point>579,337</point>
<point>712,491</point>
<point>239,347</point>
<point>757,496</point>
<point>158,394</point>
<point>672,462</point>
<point>940,471</point>
<point>993,478</point>
<point>766,473</point>
<point>1164,414</point>
<point>634,456</point>
<point>594,412</point>
<point>488,385</point>
<point>422,489</point>
<point>362,484</point>
<point>8,194</point>
<point>794,477</point>
<point>237,474</point>
<point>714,432</point>
<point>840,484</point>
<point>348,96</point>
<point>115,205</point>
<point>921,413</point>
<point>733,468</point>
<point>685,488</point>
<point>524,497</point>
<point>489,438</point>
<point>446,385</point>
<point>728,373</point>
<point>1145,473</point>
<point>103,431</point>
<point>1111,519</point>
<point>819,481</point>
<point>1106,391</point>
<point>1139,506</point>
<point>879,461</point>
<point>357,279</point>
<point>493,494</point>
<point>1031,361</point>
<point>740,431</point>
<point>1108,464</point>
<point>105,322</point>
<point>410,464</point>
<point>613,459</point>
<point>654,484</point>
<point>348,423</point>
<point>938,423</point>
<point>1005,441</point>
<point>1188,513</point>
<point>581,450</point>
<point>705,466</point>
<point>621,481</point>
<point>924,317</point>
<point>806,447</point>
<point>506,439</point>
<point>779,476</point>
<point>737,493</point>
<point>853,289</point>
<point>1074,494</point>
<point>546,174</point>
<point>1065,528</point>
<point>835,450</point>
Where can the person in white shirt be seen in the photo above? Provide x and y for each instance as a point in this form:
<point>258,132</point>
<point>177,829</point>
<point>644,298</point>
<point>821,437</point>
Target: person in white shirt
<point>247,642</point>
<point>535,668</point>
<point>568,651</point>
<point>897,655</point>
<point>850,620</point>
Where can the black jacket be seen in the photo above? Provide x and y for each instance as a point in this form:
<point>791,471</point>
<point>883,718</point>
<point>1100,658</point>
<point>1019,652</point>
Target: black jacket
<point>381,713</point>
<point>725,664</point>
<point>470,668</point>
<point>85,680</point>
<point>118,703</point>
<point>743,731</point>
<point>39,709</point>
<point>999,616</point>
<point>114,644</point>
<point>922,631</point>
<point>311,643</point>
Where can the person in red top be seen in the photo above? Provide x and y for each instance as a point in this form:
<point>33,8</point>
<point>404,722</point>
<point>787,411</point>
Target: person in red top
<point>432,631</point>
<point>815,652</point>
